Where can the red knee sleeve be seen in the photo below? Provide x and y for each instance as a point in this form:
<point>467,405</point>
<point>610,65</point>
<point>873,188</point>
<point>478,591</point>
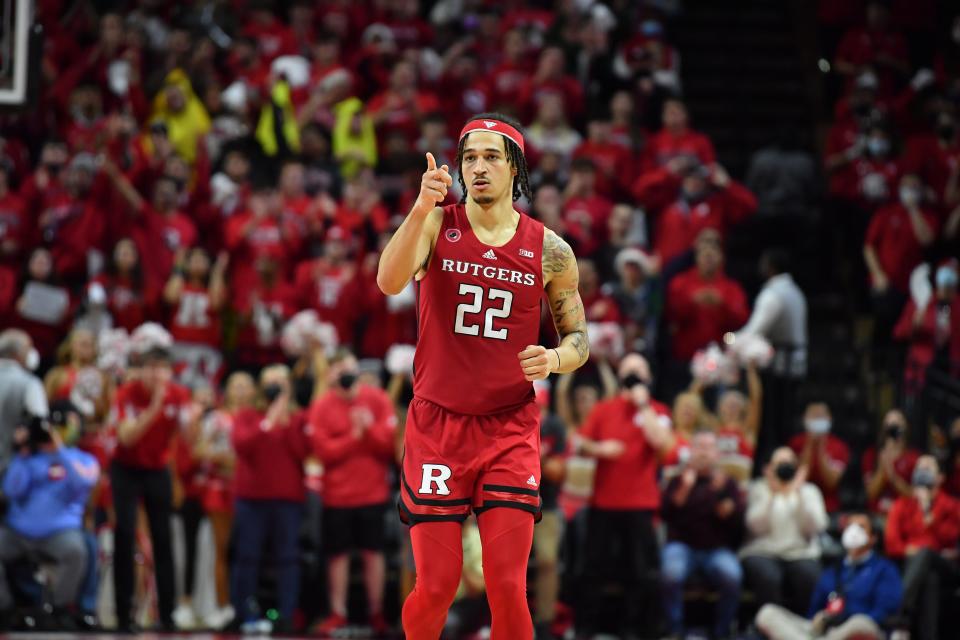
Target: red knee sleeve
<point>438,555</point>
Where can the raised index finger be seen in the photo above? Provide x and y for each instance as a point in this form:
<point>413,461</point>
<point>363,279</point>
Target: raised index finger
<point>431,162</point>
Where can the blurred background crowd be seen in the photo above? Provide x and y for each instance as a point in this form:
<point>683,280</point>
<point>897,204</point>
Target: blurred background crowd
<point>202,389</point>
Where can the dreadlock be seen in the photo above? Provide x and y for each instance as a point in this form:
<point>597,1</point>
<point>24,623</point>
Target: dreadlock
<point>521,183</point>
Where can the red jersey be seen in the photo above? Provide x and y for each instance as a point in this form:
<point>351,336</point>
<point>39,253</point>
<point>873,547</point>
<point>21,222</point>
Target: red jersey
<point>194,319</point>
<point>629,481</point>
<point>907,525</point>
<point>479,306</point>
<point>152,449</point>
<point>903,466</point>
<point>891,236</point>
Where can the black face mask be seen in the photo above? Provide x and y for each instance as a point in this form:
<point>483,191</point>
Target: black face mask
<point>272,391</point>
<point>347,379</point>
<point>894,432</point>
<point>946,131</point>
<point>630,380</point>
<point>786,471</point>
<point>862,109</point>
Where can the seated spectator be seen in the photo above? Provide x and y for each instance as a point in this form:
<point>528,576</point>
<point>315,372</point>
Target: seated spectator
<point>354,433</point>
<point>703,303</point>
<point>933,332</point>
<point>894,245</point>
<point>550,131</point>
<point>823,454</point>
<point>47,485</point>
<point>271,446</point>
<point>638,298</point>
<point>876,45</point>
<point>628,435</point>
<point>851,601</point>
<point>922,531</point>
<point>709,199</point>
<point>888,466</point>
<point>785,515</point>
<point>703,510</point>
<point>585,211</point>
<point>78,379</point>
<point>689,417</point>
<point>676,138</point>
<point>43,306</point>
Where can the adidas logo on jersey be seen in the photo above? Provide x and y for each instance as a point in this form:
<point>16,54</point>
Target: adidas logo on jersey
<point>532,481</point>
<point>490,255</point>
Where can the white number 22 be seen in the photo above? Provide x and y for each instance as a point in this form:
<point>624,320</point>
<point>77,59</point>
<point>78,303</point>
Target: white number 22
<point>476,305</point>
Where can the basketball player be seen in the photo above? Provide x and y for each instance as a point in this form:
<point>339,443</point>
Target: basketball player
<point>472,432</point>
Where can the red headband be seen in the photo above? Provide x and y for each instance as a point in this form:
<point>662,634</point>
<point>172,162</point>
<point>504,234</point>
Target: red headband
<point>495,126</point>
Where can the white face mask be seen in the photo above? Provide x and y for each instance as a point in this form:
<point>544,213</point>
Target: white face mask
<point>854,537</point>
<point>32,361</point>
<point>818,425</point>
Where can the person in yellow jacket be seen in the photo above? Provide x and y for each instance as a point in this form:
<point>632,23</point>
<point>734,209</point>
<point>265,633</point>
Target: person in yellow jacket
<point>178,107</point>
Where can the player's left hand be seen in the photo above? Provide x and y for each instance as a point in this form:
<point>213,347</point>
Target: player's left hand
<point>537,362</point>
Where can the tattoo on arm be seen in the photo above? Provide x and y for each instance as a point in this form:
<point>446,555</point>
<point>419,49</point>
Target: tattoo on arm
<point>560,271</point>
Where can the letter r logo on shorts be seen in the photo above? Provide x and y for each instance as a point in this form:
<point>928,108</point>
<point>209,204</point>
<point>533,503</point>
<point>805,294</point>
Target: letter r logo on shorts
<point>435,474</point>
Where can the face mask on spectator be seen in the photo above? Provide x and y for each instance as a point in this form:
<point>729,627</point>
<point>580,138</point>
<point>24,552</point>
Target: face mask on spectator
<point>347,379</point>
<point>946,131</point>
<point>32,361</point>
<point>786,471</point>
<point>878,146</point>
<point>946,278</point>
<point>854,537</point>
<point>909,196</point>
<point>923,477</point>
<point>630,380</point>
<point>692,196</point>
<point>818,425</point>
<point>272,391</point>
<point>893,431</point>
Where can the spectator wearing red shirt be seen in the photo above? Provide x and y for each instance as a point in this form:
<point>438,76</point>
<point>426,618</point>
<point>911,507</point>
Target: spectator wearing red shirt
<point>628,435</point>
<point>260,233</point>
<point>151,410</point>
<point>702,302</point>
<point>271,446</point>
<point>923,530</point>
<point>875,46</point>
<point>330,285</point>
<point>195,295</point>
<point>512,73</point>
<point>709,199</point>
<point>895,243</point>
<point>824,455</point>
<point>612,159</point>
<point>263,309</point>
<point>933,332</point>
<point>131,299</point>
<point>400,106</point>
<point>273,37</point>
<point>43,306</point>
<point>585,210</point>
<point>676,138</point>
<point>355,437</point>
<point>598,305</point>
<point>871,178</point>
<point>551,77</point>
<point>888,467</point>
<point>935,157</point>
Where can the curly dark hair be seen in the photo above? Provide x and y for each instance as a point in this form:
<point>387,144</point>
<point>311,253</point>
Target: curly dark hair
<point>521,184</point>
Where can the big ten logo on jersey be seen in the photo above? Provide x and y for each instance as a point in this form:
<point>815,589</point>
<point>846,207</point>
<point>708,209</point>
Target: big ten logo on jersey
<point>435,474</point>
<point>193,309</point>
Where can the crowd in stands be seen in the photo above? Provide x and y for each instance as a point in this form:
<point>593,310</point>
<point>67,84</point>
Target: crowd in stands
<point>203,390</point>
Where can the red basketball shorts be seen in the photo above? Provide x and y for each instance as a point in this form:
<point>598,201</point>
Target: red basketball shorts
<point>454,463</point>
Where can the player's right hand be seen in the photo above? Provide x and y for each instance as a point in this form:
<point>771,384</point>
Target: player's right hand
<point>433,185</point>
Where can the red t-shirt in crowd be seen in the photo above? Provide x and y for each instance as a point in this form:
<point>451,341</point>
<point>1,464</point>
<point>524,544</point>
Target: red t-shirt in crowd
<point>630,481</point>
<point>270,462</point>
<point>264,311</point>
<point>927,157</point>
<point>354,470</point>
<point>664,146</point>
<point>863,47</point>
<point>614,164</point>
<point>929,337</point>
<point>194,319</point>
<point>903,466</point>
<point>838,456</point>
<point>694,325</point>
<point>891,235</point>
<point>333,291</point>
<point>680,224</point>
<point>129,302</point>
<point>907,525</point>
<point>152,449</point>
